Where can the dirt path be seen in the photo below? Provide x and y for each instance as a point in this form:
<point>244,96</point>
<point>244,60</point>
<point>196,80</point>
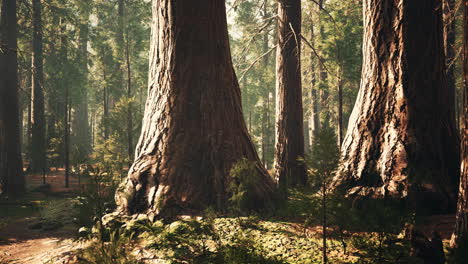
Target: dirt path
<point>23,245</point>
<point>19,244</point>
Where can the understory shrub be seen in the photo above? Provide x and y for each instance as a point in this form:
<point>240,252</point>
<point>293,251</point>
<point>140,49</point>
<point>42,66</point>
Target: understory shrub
<point>244,177</point>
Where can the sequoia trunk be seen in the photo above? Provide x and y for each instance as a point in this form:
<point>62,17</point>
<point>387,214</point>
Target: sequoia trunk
<point>193,129</point>
<point>290,171</point>
<point>401,140</point>
<point>11,167</point>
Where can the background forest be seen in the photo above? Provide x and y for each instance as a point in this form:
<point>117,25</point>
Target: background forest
<point>86,72</point>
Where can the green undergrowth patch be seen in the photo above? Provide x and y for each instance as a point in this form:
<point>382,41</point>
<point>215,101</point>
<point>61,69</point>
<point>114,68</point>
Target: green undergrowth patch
<point>33,209</point>
<point>293,234</point>
<point>215,240</point>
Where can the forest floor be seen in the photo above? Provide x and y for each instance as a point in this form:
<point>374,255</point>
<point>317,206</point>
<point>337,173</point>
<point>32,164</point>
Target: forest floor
<point>21,241</point>
<point>24,239</point>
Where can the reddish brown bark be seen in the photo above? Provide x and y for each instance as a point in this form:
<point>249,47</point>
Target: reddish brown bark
<point>289,113</point>
<point>11,167</point>
<point>401,140</point>
<point>193,129</point>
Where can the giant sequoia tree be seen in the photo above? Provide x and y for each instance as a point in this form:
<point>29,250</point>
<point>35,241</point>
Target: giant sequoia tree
<point>289,116</point>
<point>11,168</point>
<point>193,130</point>
<point>401,140</point>
<point>461,227</point>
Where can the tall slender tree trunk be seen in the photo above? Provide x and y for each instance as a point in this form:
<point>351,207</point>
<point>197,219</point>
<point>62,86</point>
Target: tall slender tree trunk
<point>38,137</point>
<point>29,125</point>
<point>265,91</point>
<point>120,43</point>
<point>461,227</point>
<point>289,114</point>
<point>105,104</point>
<point>449,47</point>
<point>11,165</point>
<point>314,120</point>
<point>67,104</point>
<point>193,129</point>
<point>130,106</point>
<point>323,74</point>
<point>83,134</point>
<point>340,105</point>
<point>401,140</point>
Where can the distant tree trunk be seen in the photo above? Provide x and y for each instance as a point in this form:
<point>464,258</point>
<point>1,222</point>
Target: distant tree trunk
<point>401,140</point>
<point>29,125</point>
<point>449,47</point>
<point>11,166</point>
<point>120,43</point>
<point>289,116</point>
<point>461,227</point>
<point>38,144</point>
<point>323,74</point>
<point>193,128</point>
<point>129,95</point>
<point>265,93</point>
<point>340,105</point>
<point>66,105</point>
<point>314,121</point>
<point>83,131</point>
<point>105,104</point>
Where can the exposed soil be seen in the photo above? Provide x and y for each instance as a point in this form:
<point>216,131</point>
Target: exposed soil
<point>19,243</point>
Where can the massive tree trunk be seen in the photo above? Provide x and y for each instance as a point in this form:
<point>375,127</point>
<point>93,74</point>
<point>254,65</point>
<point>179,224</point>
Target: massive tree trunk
<point>11,167</point>
<point>38,144</point>
<point>193,129</point>
<point>289,116</point>
<point>401,140</point>
<point>461,227</point>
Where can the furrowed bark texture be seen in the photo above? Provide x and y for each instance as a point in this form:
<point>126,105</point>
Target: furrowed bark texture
<point>193,129</point>
<point>11,167</point>
<point>289,113</point>
<point>461,226</point>
<point>401,133</point>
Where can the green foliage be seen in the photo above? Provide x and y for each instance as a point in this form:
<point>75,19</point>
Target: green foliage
<point>97,195</point>
<point>244,175</point>
<point>55,214</point>
<point>382,248</point>
<point>324,157</point>
<point>112,152</point>
<point>199,242</point>
<point>115,251</point>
